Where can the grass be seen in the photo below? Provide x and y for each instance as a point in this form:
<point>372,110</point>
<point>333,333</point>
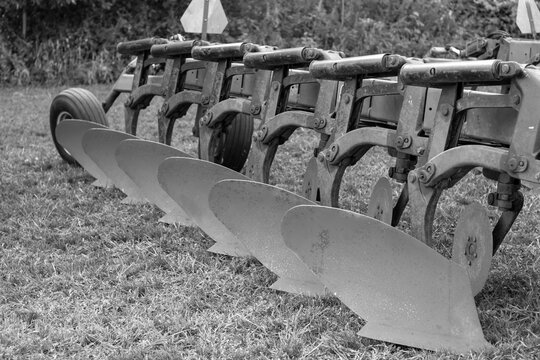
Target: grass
<point>82,276</point>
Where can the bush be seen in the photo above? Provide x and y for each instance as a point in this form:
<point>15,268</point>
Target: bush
<point>74,41</point>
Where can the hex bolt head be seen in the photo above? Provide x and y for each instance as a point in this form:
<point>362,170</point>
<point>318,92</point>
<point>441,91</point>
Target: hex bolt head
<point>346,98</point>
<point>309,54</point>
<point>513,164</point>
<point>420,150</point>
<point>255,109</point>
<point>205,99</point>
<point>322,156</point>
<point>516,99</point>
<point>399,141</point>
<point>505,68</point>
<point>275,86</point>
<point>412,177</point>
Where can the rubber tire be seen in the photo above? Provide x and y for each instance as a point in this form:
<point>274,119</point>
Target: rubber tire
<point>74,103</point>
<point>235,142</point>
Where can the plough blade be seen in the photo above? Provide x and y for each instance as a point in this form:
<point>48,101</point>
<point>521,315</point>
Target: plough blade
<point>188,183</point>
<point>252,211</point>
<point>100,145</point>
<point>407,292</point>
<point>381,204</point>
<point>140,160</point>
<point>69,134</point>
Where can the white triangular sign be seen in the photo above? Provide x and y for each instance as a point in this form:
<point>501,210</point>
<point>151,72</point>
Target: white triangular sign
<point>192,20</point>
<point>527,14</point>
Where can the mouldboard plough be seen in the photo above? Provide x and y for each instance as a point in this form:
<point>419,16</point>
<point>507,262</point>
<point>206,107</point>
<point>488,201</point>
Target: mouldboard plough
<point>439,117</point>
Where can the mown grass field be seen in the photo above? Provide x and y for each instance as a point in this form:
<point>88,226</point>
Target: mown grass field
<point>83,276</point>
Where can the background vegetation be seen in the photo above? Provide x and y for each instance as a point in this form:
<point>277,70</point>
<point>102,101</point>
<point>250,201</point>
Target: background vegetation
<point>73,41</point>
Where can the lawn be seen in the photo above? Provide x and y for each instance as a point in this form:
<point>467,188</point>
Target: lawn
<point>83,276</point>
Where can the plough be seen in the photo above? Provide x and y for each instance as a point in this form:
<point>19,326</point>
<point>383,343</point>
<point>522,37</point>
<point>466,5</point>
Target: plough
<point>438,118</point>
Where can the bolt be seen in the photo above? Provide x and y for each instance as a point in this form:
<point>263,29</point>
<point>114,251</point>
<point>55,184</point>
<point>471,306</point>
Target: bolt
<point>275,86</point>
<point>445,111</point>
<point>257,136</point>
<point>319,123</point>
<point>392,60</point>
<point>346,98</point>
<point>321,157</point>
<point>423,176</point>
<point>420,150</point>
<point>432,71</point>
<point>399,141</point>
<point>412,178</point>
<point>205,99</point>
<point>264,58</point>
<point>505,68</point>
<point>521,163</point>
<point>309,54</point>
<point>332,153</point>
<point>205,120</point>
<point>516,99</point>
<point>513,164</point>
<point>255,109</point>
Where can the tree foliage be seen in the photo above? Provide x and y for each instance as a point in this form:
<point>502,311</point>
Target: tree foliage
<point>74,40</point>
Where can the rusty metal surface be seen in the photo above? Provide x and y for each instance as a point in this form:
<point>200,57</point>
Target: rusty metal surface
<point>354,66</point>
<point>462,71</point>
<point>188,182</point>
<point>217,52</point>
<point>134,47</point>
<point>300,56</point>
<point>175,48</point>
<point>140,160</point>
<point>69,134</point>
<point>100,145</point>
<point>369,266</point>
<point>252,212</point>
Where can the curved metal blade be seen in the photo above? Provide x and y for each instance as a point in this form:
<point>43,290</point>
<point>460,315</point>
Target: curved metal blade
<point>408,293</point>
<point>69,134</point>
<point>253,211</point>
<point>473,245</point>
<point>100,145</point>
<point>380,205</point>
<point>188,183</point>
<point>140,160</point>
